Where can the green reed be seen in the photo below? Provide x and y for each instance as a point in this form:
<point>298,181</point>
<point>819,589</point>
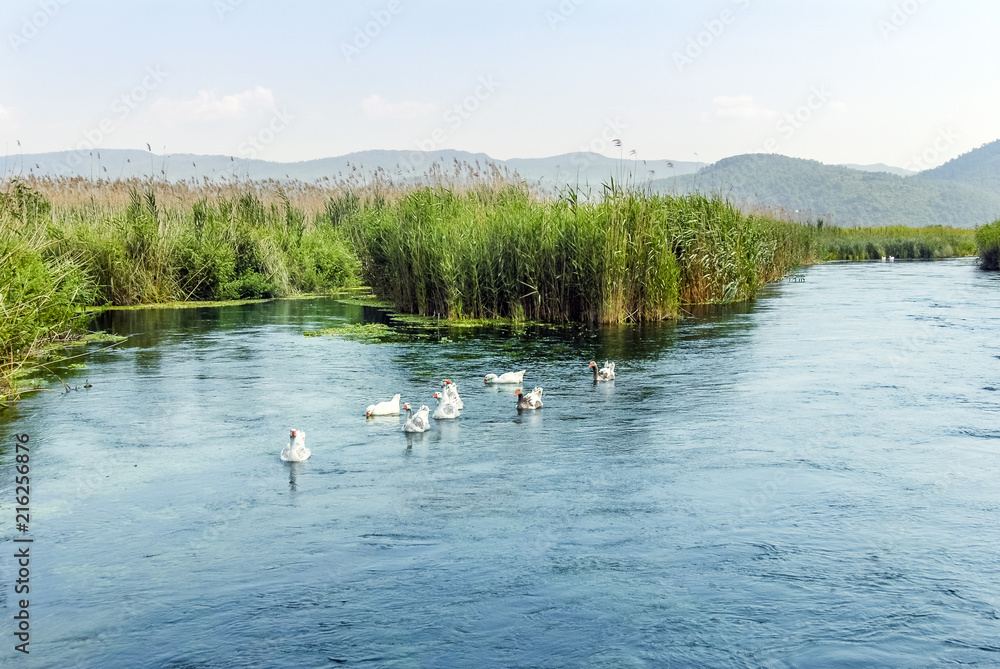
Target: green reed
<point>39,289</point>
<point>927,243</point>
<point>55,260</point>
<point>503,253</point>
<point>988,246</point>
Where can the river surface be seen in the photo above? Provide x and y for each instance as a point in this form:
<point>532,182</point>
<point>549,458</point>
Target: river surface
<point>808,480</point>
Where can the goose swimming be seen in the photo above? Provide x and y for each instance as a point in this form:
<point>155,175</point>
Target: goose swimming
<point>532,400</point>
<point>507,377</point>
<point>387,408</point>
<point>445,408</point>
<point>451,393</point>
<point>296,450</point>
<point>606,373</point>
<point>416,422</point>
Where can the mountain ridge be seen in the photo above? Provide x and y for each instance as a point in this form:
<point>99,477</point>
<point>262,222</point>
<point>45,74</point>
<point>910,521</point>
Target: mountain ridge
<point>964,192</point>
<point>809,190</point>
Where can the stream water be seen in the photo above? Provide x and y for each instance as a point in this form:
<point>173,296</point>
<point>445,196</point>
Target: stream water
<point>808,480</point>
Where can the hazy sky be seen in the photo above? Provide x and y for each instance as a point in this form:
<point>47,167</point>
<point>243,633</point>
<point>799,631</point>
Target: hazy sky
<point>859,81</point>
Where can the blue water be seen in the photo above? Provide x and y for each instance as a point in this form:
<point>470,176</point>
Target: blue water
<point>808,480</point>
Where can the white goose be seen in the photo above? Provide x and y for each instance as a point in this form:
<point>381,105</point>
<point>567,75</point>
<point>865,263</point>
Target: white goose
<point>445,408</point>
<point>296,450</point>
<point>388,408</point>
<point>606,373</point>
<point>532,400</point>
<point>416,422</point>
<point>451,393</point>
<point>507,377</point>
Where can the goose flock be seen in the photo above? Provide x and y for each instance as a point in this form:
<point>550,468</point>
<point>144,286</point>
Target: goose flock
<point>449,406</point>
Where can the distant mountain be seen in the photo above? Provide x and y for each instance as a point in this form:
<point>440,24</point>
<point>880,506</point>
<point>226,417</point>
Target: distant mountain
<point>881,167</point>
<point>840,195</point>
<point>964,192</point>
<point>406,166</point>
<point>979,167</point>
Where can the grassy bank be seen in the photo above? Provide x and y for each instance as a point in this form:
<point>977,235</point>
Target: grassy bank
<point>988,246</point>
<point>39,288</point>
<point>137,251</point>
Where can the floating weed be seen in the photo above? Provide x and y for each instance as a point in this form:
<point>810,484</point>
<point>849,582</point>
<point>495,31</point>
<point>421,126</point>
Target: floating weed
<point>102,338</point>
<point>368,333</point>
<point>366,301</point>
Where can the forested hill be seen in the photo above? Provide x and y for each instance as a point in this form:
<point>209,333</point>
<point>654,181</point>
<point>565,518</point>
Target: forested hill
<point>979,168</point>
<point>840,195</point>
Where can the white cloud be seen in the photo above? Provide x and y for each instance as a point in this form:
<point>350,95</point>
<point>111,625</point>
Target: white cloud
<point>376,107</point>
<point>742,107</point>
<point>209,106</point>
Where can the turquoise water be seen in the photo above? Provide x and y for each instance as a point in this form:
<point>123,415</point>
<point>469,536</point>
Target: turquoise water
<point>808,480</point>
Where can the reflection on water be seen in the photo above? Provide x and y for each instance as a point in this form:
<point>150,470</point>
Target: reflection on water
<point>808,479</point>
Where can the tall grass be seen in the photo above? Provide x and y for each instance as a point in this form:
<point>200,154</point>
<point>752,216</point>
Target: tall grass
<point>988,244</point>
<point>475,243</point>
<point>39,289</point>
<point>927,243</point>
<point>231,248</point>
<point>55,259</point>
<point>630,256</point>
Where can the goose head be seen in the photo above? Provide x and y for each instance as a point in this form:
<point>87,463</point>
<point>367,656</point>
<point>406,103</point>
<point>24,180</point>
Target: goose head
<point>369,410</point>
<point>490,377</point>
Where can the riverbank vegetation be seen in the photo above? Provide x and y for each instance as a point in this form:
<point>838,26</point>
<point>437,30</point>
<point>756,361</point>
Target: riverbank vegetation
<point>128,248</point>
<point>476,243</point>
<point>503,253</point>
<point>988,245</point>
<point>39,288</point>
<point>929,243</point>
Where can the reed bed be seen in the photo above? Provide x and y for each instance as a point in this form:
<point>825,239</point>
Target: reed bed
<point>988,246</point>
<point>39,289</point>
<point>472,242</point>
<point>235,247</point>
<point>932,242</point>
<point>56,259</point>
<point>503,253</point>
